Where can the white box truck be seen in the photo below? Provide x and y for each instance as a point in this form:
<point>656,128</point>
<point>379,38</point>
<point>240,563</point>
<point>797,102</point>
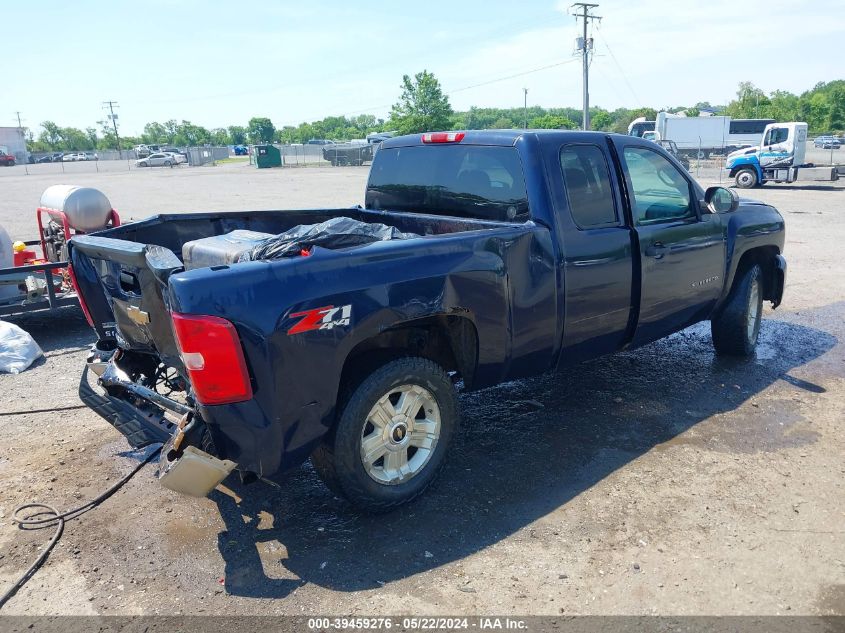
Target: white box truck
<point>701,136</point>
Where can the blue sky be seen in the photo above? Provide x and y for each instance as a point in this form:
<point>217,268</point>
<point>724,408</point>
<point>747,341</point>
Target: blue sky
<point>219,63</point>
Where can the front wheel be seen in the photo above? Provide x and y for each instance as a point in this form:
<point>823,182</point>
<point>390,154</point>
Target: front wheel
<point>737,326</point>
<point>392,438</point>
<point>746,178</point>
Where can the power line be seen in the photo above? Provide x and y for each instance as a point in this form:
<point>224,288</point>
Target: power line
<point>622,72</point>
<point>478,85</point>
<point>585,45</point>
<point>527,72</point>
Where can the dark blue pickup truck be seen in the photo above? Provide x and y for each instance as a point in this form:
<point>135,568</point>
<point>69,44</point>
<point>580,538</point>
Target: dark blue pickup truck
<point>498,255</point>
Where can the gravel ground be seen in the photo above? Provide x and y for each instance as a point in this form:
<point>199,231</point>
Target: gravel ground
<point>658,481</point>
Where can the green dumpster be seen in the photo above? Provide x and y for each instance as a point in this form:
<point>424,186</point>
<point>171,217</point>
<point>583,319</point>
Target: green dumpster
<point>267,156</point>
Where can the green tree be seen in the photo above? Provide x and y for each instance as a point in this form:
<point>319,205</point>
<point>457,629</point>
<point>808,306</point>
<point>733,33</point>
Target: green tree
<point>600,119</point>
<point>504,123</point>
<point>650,114</point>
<point>422,107</point>
<point>237,134</point>
<point>171,130</point>
<point>51,135</point>
<point>551,122</point>
<point>288,134</point>
<point>260,130</point>
<point>91,133</point>
<point>74,139</point>
<point>191,135</point>
<point>154,133</point>
<point>219,136</point>
<point>836,115</point>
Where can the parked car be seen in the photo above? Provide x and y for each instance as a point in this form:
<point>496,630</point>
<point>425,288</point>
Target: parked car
<point>158,160</point>
<point>91,156</point>
<point>240,150</point>
<point>351,153</point>
<point>69,157</point>
<point>319,141</point>
<point>178,157</point>
<point>478,257</point>
<point>7,160</point>
<point>827,142</point>
<point>45,159</point>
<point>173,150</point>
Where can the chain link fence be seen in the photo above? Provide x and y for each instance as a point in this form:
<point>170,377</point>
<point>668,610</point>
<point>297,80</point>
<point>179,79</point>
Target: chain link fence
<point>330,154</point>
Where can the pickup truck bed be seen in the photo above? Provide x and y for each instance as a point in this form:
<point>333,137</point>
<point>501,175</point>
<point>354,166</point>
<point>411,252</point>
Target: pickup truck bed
<point>536,251</point>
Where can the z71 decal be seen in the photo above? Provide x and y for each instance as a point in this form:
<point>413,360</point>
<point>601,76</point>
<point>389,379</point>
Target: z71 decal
<point>325,318</point>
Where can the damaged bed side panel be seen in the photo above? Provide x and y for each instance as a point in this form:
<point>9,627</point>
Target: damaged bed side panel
<point>299,319</point>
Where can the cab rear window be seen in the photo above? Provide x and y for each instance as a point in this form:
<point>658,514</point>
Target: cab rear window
<point>472,181</point>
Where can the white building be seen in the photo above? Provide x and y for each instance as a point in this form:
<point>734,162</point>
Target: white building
<point>11,138</point>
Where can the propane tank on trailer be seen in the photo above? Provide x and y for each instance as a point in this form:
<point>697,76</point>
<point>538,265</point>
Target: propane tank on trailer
<point>87,209</point>
<point>7,259</point>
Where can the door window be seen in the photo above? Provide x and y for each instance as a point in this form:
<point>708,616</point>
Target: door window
<point>659,192</point>
<point>776,135</point>
<point>587,183</point>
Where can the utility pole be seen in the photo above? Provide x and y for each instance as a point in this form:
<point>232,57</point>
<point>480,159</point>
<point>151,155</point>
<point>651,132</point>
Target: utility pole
<point>525,107</point>
<point>585,45</point>
<point>20,129</point>
<point>25,148</point>
<point>111,106</point>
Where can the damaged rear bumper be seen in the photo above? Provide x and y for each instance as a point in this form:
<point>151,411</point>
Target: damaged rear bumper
<point>138,413</point>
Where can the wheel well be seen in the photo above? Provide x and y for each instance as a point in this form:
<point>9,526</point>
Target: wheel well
<point>764,256</point>
<point>739,168</point>
<point>449,341</point>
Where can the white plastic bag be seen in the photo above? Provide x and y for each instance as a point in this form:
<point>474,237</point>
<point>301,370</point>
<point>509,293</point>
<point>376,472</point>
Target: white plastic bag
<point>18,350</point>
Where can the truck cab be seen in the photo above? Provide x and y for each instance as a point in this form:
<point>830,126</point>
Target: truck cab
<point>778,157</point>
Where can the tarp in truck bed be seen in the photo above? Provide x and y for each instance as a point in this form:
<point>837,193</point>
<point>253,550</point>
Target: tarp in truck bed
<point>339,232</point>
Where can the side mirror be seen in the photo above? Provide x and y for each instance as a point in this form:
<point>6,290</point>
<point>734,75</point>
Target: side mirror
<point>721,200</point>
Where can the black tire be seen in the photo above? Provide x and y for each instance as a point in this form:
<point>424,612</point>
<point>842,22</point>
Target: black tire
<point>732,334</point>
<point>338,459</point>
<point>167,163</point>
<point>746,178</point>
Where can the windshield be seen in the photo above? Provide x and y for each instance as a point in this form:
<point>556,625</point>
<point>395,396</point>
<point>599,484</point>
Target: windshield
<point>483,182</point>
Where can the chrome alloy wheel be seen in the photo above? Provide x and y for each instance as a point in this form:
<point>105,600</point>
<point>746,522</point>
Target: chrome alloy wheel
<point>752,323</point>
<point>400,434</point>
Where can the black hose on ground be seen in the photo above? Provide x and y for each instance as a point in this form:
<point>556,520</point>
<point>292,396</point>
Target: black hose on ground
<point>48,516</point>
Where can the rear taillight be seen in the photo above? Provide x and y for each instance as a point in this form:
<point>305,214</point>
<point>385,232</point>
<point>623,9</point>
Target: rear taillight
<point>213,358</point>
<point>443,137</point>
<point>79,296</point>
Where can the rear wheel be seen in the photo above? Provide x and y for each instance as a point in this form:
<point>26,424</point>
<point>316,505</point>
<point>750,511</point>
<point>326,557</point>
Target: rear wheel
<point>167,163</point>
<point>392,437</point>
<point>746,178</point>
<point>737,326</point>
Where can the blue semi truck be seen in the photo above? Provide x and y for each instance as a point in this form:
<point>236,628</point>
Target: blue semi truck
<point>780,157</point>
